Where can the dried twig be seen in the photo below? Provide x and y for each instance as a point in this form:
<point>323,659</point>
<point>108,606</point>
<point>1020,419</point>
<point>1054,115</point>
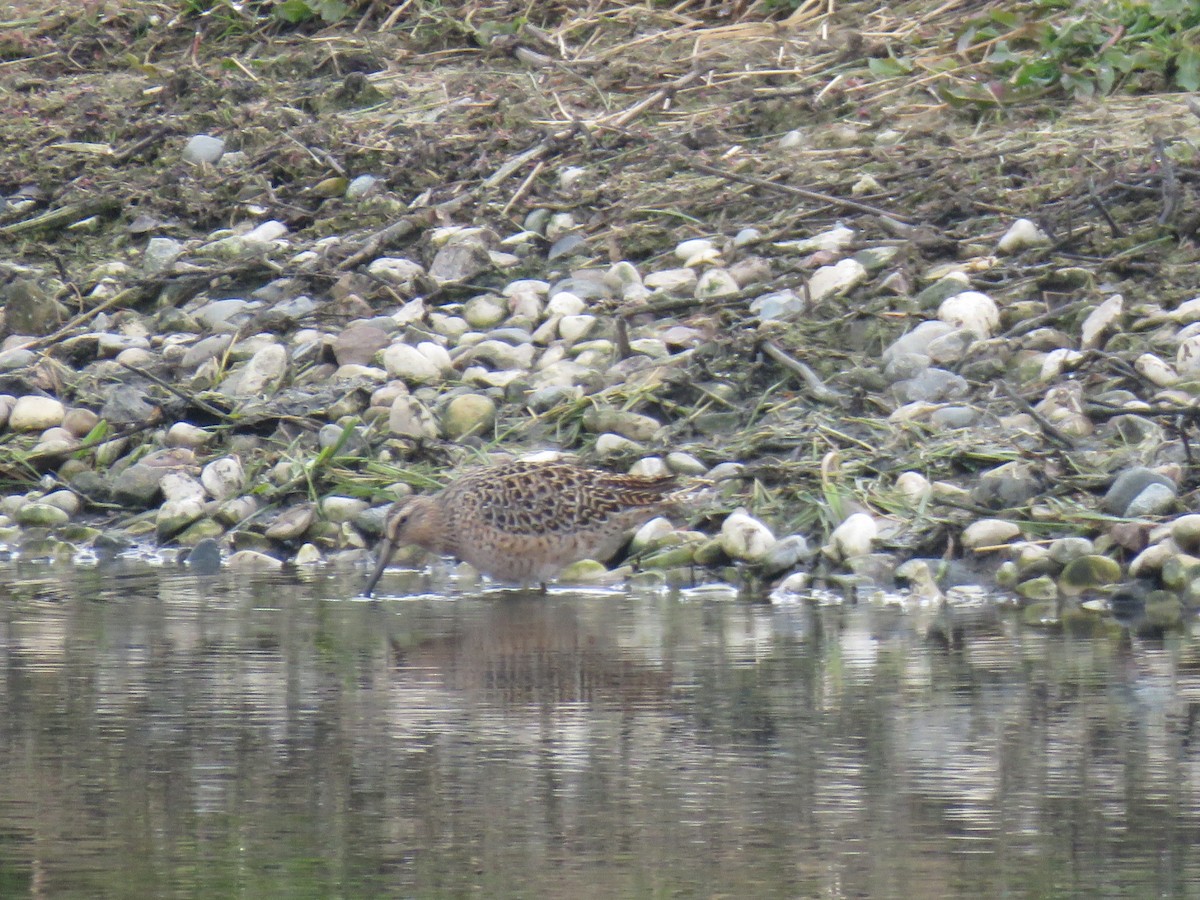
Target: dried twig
<point>819,390</point>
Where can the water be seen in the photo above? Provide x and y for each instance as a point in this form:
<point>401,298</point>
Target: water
<point>163,734</point>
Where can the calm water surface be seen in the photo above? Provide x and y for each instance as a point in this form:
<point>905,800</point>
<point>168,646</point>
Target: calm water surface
<point>165,734</point>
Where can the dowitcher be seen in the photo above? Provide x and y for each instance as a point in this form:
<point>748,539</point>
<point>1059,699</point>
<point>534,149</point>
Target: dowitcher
<point>524,522</point>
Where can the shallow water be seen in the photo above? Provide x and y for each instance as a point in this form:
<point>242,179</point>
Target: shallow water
<point>165,734</point>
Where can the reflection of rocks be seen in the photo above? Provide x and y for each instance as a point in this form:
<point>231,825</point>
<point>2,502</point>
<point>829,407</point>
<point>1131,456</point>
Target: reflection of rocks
<point>527,650</point>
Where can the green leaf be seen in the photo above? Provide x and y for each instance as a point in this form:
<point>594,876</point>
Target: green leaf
<point>1187,69</point>
<point>294,11</point>
<point>331,10</point>
<point>889,67</point>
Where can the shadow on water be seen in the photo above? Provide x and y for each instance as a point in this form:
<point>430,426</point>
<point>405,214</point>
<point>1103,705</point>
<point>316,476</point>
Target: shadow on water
<point>235,735</point>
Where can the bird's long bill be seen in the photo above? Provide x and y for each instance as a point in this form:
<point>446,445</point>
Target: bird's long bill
<point>386,549</point>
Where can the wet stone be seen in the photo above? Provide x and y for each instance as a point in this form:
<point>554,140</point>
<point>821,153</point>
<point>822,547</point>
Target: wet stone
<point>42,515</point>
<point>1090,571</point>
<point>1130,484</point>
<point>854,537</point>
<point>986,534</point>
<point>205,557</point>
<point>745,538</point>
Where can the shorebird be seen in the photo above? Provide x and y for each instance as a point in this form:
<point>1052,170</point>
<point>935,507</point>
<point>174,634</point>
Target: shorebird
<point>524,522</point>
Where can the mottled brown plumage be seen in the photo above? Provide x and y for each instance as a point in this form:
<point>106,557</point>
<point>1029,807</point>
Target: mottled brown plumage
<point>524,522</point>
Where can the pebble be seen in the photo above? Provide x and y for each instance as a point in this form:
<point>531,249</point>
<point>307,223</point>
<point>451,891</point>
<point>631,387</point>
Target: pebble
<point>469,414</point>
<point>1021,235</point>
<point>972,310</point>
<point>223,478</point>
<point>836,280</point>
<point>34,413</point>
<point>745,538</point>
<point>854,537</point>
<point>203,148</point>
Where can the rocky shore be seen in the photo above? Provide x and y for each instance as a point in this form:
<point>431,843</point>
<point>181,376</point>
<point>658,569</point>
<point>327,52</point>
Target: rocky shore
<point>876,398</point>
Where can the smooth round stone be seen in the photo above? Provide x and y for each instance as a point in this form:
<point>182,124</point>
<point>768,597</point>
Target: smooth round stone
<point>688,249</point>
<point>233,512</point>
<point>565,303</point>
<point>203,529</point>
<point>1154,500</point>
<point>175,515</point>
<point>1090,571</point>
<point>651,535</point>
<point>469,414</point>
<point>655,348</point>
<point>575,328</point>
<point>1021,235</point>
<point>672,281</point>
<point>1040,588</point>
<point>67,501</point>
<point>1129,485</point>
<point>253,560</point>
<point>726,471</point>
<point>951,347</point>
<point>634,426</point>
<point>41,515</point>
<point>307,555</point>
<point>203,148</point>
<point>836,280</point>
<point>954,417</point>
<point>1152,559</point>
<point>972,310</point>
<point>785,304</point>
<point>437,355</point>
<point>1101,321</point>
<point>18,358</point>
<point>223,478</point>
<point>745,538</point>
<point>716,283</point>
<point>553,395</point>
<point>1156,371</point>
<point>1185,531</point>
<point>854,537</point>
<point>485,311</point>
<point>501,355</point>
<point>292,523</point>
<point>986,534</point>
<point>609,445</point>
<point>650,467</point>
<point>181,486</point>
<point>362,185</point>
<point>685,463</point>
<point>184,434</point>
<point>34,413</point>
<point>914,487</point>
<point>396,271</point>
<point>410,364</point>
<point>343,509</point>
<point>917,341</point>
